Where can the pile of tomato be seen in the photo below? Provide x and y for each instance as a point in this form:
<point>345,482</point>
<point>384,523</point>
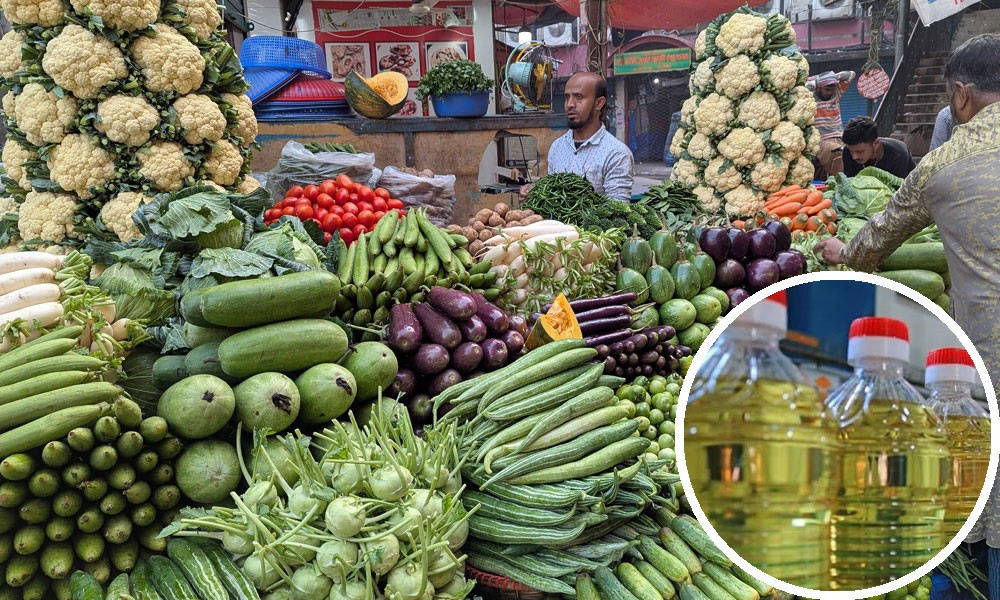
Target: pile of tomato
<point>336,205</point>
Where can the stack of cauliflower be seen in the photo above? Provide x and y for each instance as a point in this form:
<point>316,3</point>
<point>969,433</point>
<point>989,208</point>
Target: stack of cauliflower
<point>109,103</point>
<point>747,129</point>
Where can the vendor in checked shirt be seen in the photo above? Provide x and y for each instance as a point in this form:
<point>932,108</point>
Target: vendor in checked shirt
<point>828,88</point>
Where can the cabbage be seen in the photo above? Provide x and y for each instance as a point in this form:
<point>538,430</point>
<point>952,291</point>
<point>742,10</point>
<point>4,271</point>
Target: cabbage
<point>226,235</point>
<point>285,242</point>
<point>136,293</point>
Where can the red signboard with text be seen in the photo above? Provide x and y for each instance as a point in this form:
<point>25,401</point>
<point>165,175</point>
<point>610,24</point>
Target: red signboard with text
<point>371,37</point>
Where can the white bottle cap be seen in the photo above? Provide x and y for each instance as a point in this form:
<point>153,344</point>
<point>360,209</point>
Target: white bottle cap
<point>949,365</point>
<point>769,313</point>
<point>878,338</point>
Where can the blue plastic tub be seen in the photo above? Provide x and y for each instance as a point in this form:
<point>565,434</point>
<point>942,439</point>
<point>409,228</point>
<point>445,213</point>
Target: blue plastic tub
<point>461,105</point>
<point>278,52</point>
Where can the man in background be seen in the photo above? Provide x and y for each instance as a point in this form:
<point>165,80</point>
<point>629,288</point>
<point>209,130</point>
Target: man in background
<point>828,88</point>
<point>864,148</point>
<point>943,126</point>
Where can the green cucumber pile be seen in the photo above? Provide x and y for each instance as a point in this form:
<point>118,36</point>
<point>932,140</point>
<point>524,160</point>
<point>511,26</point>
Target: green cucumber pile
<point>920,264</point>
<point>396,260</point>
<point>99,488</point>
<point>918,590</point>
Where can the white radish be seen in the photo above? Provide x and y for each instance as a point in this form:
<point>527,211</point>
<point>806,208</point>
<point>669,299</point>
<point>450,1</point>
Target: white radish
<point>521,282</point>
<point>559,275</point>
<point>119,329</point>
<point>29,296</point>
<point>513,251</point>
<point>496,240</point>
<point>495,255</point>
<point>16,280</point>
<point>519,297</point>
<point>45,314</point>
<point>569,237</point>
<point>518,266</point>
<point>18,261</point>
<point>501,271</point>
<point>107,309</point>
<point>8,343</point>
<point>522,233</point>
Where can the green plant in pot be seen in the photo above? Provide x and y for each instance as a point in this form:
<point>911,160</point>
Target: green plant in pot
<point>456,88</point>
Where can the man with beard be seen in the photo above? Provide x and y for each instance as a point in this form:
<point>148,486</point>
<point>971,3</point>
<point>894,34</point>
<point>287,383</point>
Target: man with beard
<point>588,148</point>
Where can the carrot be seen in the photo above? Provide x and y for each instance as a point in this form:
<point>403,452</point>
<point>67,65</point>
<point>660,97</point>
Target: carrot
<point>788,209</point>
<point>798,235</point>
<point>832,228</point>
<point>739,223</point>
<point>786,221</point>
<point>813,199</point>
<point>800,221</point>
<point>819,207</point>
<point>791,188</point>
<point>814,223</point>
<point>830,214</point>
<point>760,217</point>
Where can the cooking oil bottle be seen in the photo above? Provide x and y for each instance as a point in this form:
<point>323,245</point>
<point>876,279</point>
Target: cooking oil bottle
<point>889,513</point>
<point>760,450</point>
<point>949,376</point>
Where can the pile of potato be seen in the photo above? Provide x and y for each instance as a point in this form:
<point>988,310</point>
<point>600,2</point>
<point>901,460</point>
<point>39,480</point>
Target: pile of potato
<point>487,223</point>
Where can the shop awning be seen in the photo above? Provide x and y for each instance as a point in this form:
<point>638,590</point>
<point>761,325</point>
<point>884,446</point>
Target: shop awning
<point>676,14</point>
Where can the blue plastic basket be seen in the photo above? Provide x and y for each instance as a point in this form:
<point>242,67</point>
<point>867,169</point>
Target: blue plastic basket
<point>280,52</point>
<point>264,83</point>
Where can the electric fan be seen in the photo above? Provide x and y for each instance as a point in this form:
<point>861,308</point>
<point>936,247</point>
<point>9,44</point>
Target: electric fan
<point>528,77</point>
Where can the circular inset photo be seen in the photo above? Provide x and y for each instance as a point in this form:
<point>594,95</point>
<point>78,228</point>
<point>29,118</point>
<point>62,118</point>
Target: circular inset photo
<point>835,434</point>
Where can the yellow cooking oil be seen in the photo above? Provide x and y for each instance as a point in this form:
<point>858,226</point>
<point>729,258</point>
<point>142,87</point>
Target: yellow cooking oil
<point>969,442</point>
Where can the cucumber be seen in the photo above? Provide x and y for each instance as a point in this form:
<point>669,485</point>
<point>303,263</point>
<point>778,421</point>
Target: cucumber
<point>669,565</point>
<point>944,301</point>
<point>169,579</point>
<point>40,405</point>
<point>610,587</point>
<point>141,584</point>
<point>928,256</point>
<point>52,426</point>
<point>585,588</point>
<point>254,302</point>
<point>636,583</point>
<point>731,583</point>
<point>659,581</point>
<point>117,587</point>
<point>691,532</point>
<point>195,336</point>
<point>282,347</point>
<point>232,577</point>
<point>926,283</point>
<point>204,360</point>
<point>85,587</point>
<point>198,569</point>
<point>709,586</point>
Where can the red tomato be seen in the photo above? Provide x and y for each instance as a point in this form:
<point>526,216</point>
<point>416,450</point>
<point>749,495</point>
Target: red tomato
<point>345,182</point>
<point>320,213</point>
<point>383,193</point>
<point>350,219</point>
<point>331,222</point>
<point>342,197</point>
<point>400,212</point>
<point>365,206</point>
<point>366,194</point>
<point>358,229</point>
<point>269,214</point>
<point>304,212</point>
<point>379,204</point>
<point>327,236</point>
<point>337,210</point>
<point>352,208</point>
<point>290,201</point>
<point>303,202</point>
<point>328,187</point>
<point>347,235</point>
<point>311,191</point>
<point>366,218</point>
<point>288,210</point>
<point>294,191</point>
<point>394,203</point>
<point>379,215</point>
<point>324,200</point>
<point>354,198</point>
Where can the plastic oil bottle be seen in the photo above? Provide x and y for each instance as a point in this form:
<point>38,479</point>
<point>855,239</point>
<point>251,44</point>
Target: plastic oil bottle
<point>760,450</point>
<point>949,376</point>
<point>889,513</point>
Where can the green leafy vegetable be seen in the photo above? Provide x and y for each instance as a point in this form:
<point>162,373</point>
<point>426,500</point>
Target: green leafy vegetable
<point>285,242</point>
<point>186,214</point>
<point>136,292</point>
<point>458,75</point>
<point>229,262</point>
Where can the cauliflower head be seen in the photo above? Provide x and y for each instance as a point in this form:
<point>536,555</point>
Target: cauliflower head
<point>779,72</point>
<point>169,62</point>
<point>7,103</point>
<point>126,15</point>
<point>116,214</point>
<point>689,106</point>
<point>43,116</point>
<point>47,216</point>
<point>223,163</point>
<point>13,157</point>
<point>769,174</point>
<point>707,197</point>
<point>247,186</point>
<point>812,141</point>
<point>801,172</point>
<point>165,166</point>
<point>202,15</point>
<point>200,118</point>
<point>47,13</point>
<point>721,175</point>
<point>703,79</point>
<point>79,163</point>
<point>126,119</point>
<point>246,121</point>
<point>9,206</point>
<point>743,201</point>
<point>700,147</point>
<point>713,115</point>
<point>680,142</point>
<point>760,111</point>
<point>738,77</point>
<point>743,146</point>
<point>701,45</point>
<point>82,63</point>
<point>790,138</point>
<point>802,111</point>
<point>741,34</point>
<point>686,171</point>
<point>10,53</point>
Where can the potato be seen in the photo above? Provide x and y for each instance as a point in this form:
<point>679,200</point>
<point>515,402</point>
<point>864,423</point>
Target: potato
<point>527,213</point>
<point>475,247</point>
<point>501,209</point>
<point>486,234</point>
<point>478,226</point>
<point>514,215</point>
<point>454,228</point>
<point>470,234</point>
<point>532,219</point>
<point>495,221</point>
<point>484,215</point>
<point>515,223</point>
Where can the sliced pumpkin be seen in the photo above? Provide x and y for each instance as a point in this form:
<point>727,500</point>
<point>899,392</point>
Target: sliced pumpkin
<point>559,323</point>
<point>377,97</point>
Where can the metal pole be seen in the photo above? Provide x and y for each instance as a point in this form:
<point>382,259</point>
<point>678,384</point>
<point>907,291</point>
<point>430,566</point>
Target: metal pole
<point>902,31</point>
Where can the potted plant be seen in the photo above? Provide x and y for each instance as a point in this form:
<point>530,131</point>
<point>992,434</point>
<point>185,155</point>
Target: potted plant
<point>456,88</point>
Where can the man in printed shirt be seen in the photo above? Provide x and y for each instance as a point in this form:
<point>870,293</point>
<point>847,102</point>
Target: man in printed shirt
<point>828,88</point>
<point>588,149</point>
<point>957,187</point>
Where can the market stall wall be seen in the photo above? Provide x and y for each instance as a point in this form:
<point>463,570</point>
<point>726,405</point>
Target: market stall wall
<point>445,146</point>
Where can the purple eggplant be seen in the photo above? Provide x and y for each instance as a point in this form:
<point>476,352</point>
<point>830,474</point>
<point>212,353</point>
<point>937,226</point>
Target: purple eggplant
<point>494,354</point>
<point>603,313</point>
<point>431,359</point>
<point>585,304</point>
<point>599,326</point>
<point>473,329</point>
<point>607,338</point>
<point>729,273</point>
<point>790,263</point>
<point>421,409</point>
<point>519,324</point>
<point>715,242</point>
<point>438,328</point>
<point>495,319</point>
<point>762,273</point>
<point>514,341</point>
<point>466,357</point>
<point>444,380</point>
<point>454,303</point>
<point>739,244</point>
<point>737,295</point>
<point>782,237</point>
<point>762,244</point>
<point>404,383</point>
<point>404,333</point>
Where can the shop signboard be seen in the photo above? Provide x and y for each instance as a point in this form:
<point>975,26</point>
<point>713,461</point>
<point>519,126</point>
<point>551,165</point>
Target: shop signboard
<point>653,61</point>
